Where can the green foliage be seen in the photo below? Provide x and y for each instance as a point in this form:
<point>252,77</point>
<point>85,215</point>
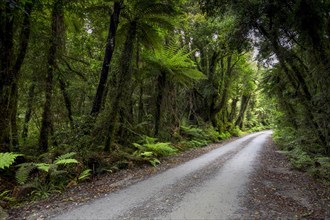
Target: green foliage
<point>300,159</point>
<point>52,169</point>
<point>195,143</point>
<point>149,150</point>
<point>235,131</point>
<point>225,135</point>
<point>23,172</point>
<point>175,62</point>
<point>84,174</point>
<point>7,159</point>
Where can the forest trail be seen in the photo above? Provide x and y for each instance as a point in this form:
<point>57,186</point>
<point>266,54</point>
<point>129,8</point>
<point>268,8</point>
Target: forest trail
<point>208,187</point>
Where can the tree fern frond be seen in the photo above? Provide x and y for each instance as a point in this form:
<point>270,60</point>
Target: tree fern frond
<point>7,159</point>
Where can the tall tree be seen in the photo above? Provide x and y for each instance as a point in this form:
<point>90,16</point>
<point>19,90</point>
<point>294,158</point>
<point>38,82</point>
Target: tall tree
<point>141,19</point>
<point>110,47</point>
<point>10,68</point>
<point>55,42</point>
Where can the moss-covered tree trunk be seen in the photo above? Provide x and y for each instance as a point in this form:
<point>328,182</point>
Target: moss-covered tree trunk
<point>54,43</point>
<point>124,80</point>
<point>244,104</point>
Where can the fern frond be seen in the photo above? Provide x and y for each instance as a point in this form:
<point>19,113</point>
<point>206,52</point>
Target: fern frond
<point>65,156</point>
<point>23,172</point>
<point>85,174</point>
<point>7,159</point>
<point>66,161</point>
<point>43,166</point>
<point>161,149</point>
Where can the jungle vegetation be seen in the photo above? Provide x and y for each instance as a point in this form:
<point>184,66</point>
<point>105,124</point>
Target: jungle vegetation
<point>93,86</point>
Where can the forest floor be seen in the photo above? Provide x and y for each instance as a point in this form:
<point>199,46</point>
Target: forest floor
<point>275,190</point>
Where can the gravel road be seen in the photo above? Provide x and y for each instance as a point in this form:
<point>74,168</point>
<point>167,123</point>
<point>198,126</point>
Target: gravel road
<point>208,187</point>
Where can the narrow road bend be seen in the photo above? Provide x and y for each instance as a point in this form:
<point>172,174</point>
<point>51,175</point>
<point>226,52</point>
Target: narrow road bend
<point>208,187</point>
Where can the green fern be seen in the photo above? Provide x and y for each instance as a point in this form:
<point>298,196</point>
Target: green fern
<point>7,159</point>
<point>66,161</point>
<point>65,156</point>
<point>161,149</point>
<point>23,172</point>
<point>84,174</point>
<point>25,169</point>
<point>43,166</point>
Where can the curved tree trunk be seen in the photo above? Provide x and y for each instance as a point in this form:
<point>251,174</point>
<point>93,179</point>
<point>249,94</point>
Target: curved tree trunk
<point>244,104</point>
<point>110,47</point>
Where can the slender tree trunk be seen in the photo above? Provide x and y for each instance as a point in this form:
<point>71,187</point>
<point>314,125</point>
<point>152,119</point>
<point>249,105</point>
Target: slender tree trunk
<point>13,114</point>
<point>28,111</point>
<point>67,102</point>
<point>100,92</point>
<point>233,110</point>
<point>6,77</point>
<point>124,79</point>
<point>161,82</point>
<point>244,104</point>
<point>140,111</point>
<point>24,41</point>
<point>57,23</point>
<point>9,72</point>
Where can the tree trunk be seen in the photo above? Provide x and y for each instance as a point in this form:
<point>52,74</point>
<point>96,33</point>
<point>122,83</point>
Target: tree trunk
<point>100,92</point>
<point>215,109</point>
<point>6,77</point>
<point>140,111</point>
<point>244,104</point>
<point>57,22</point>
<point>233,110</point>
<point>9,72</point>
<point>28,111</point>
<point>161,82</point>
<point>124,79</point>
<point>13,114</point>
<point>67,102</point>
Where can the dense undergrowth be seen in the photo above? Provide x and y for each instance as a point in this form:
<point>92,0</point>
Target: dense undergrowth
<point>303,153</point>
